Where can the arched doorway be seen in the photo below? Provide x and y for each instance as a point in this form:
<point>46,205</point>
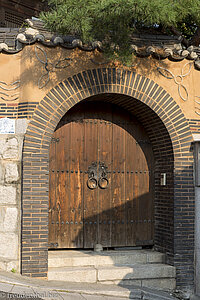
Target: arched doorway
<point>101,179</point>
<point>171,139</point>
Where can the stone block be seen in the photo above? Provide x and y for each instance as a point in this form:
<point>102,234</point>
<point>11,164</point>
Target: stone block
<point>166,284</point>
<point>2,146</point>
<point>137,271</point>
<point>2,217</point>
<point>12,265</point>
<point>21,126</point>
<point>1,173</point>
<point>126,283</point>
<point>10,219</point>
<point>9,245</point>
<point>155,257</point>
<point>7,195</point>
<point>10,149</point>
<point>8,265</point>
<point>11,173</point>
<point>84,274</point>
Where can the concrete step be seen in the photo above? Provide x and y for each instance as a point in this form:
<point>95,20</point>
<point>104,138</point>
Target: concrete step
<point>159,276</point>
<point>137,271</point>
<point>73,274</point>
<point>72,258</point>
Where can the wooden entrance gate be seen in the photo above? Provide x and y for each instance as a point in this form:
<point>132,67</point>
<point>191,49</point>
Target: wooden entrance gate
<point>101,179</point>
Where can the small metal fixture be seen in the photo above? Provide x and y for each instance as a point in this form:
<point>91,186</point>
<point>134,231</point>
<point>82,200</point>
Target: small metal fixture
<point>163,179</point>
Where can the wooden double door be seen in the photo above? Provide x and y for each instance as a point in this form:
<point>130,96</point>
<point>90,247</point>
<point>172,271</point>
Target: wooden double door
<point>101,179</point>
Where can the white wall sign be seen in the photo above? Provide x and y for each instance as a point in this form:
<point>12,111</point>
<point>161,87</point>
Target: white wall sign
<point>7,126</point>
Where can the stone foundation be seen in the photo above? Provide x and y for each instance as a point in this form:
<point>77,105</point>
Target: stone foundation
<point>10,197</point>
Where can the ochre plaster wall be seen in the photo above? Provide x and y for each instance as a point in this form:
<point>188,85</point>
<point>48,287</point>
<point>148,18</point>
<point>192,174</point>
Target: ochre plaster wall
<point>26,67</point>
<point>9,73</point>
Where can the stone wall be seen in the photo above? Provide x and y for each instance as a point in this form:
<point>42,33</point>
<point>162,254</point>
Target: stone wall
<point>10,197</point>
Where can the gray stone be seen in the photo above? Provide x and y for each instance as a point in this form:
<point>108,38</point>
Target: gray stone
<point>21,126</point>
<point>5,287</point>
<point>156,296</point>
<point>72,296</point>
<point>91,258</point>
<point>11,173</point>
<point>101,297</point>
<point>23,291</point>
<point>195,297</point>
<point>9,245</point>
<point>166,284</point>
<point>76,274</point>
<point>12,265</point>
<point>7,265</point>
<point>1,173</point>
<point>137,271</point>
<point>98,248</point>
<point>2,146</point>
<point>10,150</point>
<point>125,283</point>
<point>7,194</point>
<point>2,217</point>
<point>155,257</point>
<point>10,219</point>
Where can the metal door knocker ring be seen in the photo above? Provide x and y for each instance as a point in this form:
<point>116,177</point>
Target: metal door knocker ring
<point>103,183</point>
<point>97,175</point>
<point>92,183</point>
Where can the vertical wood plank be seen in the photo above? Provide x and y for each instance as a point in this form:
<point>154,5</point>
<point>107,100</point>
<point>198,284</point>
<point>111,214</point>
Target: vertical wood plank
<point>76,179</point>
<point>131,184</point>
<point>105,156</point>
<point>52,194</point>
<point>118,181</point>
<point>91,218</point>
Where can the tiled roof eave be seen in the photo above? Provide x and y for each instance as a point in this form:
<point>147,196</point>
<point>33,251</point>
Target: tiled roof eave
<point>158,46</point>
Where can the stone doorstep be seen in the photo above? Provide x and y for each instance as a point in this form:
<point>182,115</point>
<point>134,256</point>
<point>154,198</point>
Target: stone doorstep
<point>159,276</point>
<point>90,258</point>
<point>83,274</point>
<point>136,271</point>
<point>164,284</point>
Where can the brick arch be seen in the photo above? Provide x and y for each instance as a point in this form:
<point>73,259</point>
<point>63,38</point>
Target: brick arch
<point>136,90</point>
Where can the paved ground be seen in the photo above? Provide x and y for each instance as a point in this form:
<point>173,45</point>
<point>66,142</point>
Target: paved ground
<point>15,286</point>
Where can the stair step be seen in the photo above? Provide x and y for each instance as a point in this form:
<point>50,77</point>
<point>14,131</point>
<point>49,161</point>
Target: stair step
<point>72,258</point>
<point>112,273</point>
<point>75,274</point>
<point>137,271</point>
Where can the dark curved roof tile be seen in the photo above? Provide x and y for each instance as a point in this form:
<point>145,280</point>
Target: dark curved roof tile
<point>13,40</point>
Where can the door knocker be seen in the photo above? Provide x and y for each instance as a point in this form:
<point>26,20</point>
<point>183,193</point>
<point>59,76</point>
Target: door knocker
<point>92,176</point>
<point>97,176</point>
<point>103,181</point>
